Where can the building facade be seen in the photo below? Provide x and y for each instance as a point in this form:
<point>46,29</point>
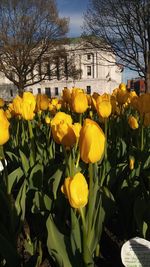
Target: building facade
<point>96,72</point>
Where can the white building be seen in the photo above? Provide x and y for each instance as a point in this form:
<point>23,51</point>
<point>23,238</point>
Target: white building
<point>98,73</point>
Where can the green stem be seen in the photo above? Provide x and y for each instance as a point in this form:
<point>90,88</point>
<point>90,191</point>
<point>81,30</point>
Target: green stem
<point>90,202</point>
<point>78,158</point>
<point>106,129</point>
<point>87,258</point>
<point>66,161</point>
<point>142,137</point>
<point>32,143</point>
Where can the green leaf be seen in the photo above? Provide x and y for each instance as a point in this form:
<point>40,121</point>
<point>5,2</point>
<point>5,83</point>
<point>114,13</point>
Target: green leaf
<point>25,162</point>
<point>41,202</point>
<point>14,177</point>
<point>21,201</point>
<point>75,233</point>
<point>147,163</point>
<point>12,156</point>
<point>56,243</point>
<point>36,177</point>
<point>145,228</point>
<point>97,227</point>
<point>56,177</point>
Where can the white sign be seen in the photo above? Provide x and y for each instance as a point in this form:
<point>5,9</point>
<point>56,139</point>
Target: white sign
<point>136,253</point>
<point>1,165</point>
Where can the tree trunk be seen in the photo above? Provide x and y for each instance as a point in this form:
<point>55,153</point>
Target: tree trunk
<point>147,82</point>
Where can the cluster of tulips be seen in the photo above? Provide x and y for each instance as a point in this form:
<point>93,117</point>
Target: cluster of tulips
<point>73,169</point>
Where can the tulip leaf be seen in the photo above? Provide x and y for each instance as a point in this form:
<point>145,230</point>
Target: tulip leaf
<point>147,163</point>
<point>145,228</point>
<point>12,156</point>
<point>56,243</point>
<point>97,227</point>
<point>14,177</point>
<point>41,202</point>
<point>36,177</point>
<point>75,233</point>
<point>25,162</point>
<point>56,178</point>
<point>21,201</point>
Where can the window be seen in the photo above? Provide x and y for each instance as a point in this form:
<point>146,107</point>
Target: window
<point>56,91</point>
<point>89,72</point>
<point>88,89</point>
<point>88,56</point>
<point>48,91</point>
<point>39,90</point>
<point>11,92</point>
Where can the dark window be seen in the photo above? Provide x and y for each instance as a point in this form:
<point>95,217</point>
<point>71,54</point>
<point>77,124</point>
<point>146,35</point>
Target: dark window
<point>88,56</point>
<point>48,91</point>
<point>88,89</point>
<point>56,91</point>
<point>11,92</point>
<point>39,90</point>
<point>89,72</point>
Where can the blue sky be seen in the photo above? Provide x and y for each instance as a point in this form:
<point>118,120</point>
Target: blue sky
<point>74,9</point>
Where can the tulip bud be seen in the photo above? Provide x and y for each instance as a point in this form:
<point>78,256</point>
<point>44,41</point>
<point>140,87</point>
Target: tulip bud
<point>79,102</point>
<point>133,122</point>
<point>91,142</point>
<point>76,190</point>
<point>4,126</point>
<point>28,106</point>
<point>131,163</point>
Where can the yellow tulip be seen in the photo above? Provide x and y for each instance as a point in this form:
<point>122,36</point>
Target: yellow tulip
<point>66,95</point>
<point>16,107</point>
<point>144,103</point>
<point>79,102</point>
<point>91,142</point>
<point>28,106</point>
<point>4,126</point>
<point>133,122</point>
<point>122,86</point>
<point>122,96</point>
<point>77,128</point>
<point>47,120</point>
<point>147,119</point>
<point>131,163</point>
<point>8,114</point>
<point>64,134</point>
<point>103,106</point>
<point>42,102</point>
<point>61,116</point>
<point>62,130</point>
<point>2,103</point>
<point>76,190</point>
<point>54,105</point>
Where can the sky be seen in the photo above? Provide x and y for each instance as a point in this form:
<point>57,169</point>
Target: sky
<point>75,10</point>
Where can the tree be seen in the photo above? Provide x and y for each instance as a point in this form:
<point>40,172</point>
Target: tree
<point>29,31</point>
<point>124,27</point>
